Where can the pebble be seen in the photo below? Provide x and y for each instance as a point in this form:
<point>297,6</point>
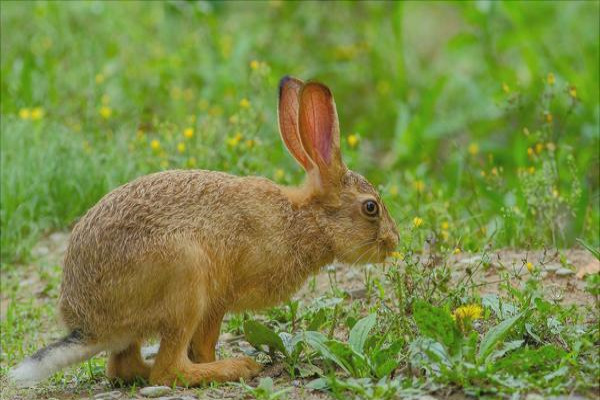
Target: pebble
<point>564,272</point>
<point>470,260</point>
<point>426,397</point>
<point>150,351</point>
<point>551,267</point>
<point>359,293</point>
<point>534,396</point>
<point>115,394</point>
<point>155,391</point>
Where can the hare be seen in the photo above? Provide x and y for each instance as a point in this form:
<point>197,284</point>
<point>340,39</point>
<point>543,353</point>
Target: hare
<point>170,253</point>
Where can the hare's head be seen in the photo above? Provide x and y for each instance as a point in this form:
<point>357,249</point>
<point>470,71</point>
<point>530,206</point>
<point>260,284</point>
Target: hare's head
<point>346,206</point>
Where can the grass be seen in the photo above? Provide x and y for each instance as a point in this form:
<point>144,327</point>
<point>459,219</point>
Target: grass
<point>478,122</point>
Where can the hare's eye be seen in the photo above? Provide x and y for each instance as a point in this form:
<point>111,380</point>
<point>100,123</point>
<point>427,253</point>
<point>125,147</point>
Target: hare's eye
<point>370,208</point>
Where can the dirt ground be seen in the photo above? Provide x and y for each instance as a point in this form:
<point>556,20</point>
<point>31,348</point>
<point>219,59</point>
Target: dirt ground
<point>562,282</point>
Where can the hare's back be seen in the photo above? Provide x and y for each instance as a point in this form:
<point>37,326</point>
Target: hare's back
<point>144,215</point>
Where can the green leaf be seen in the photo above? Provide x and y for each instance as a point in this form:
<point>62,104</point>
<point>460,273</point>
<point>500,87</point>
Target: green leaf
<point>318,320</point>
<point>317,384</point>
<point>318,341</point>
<point>496,335</point>
<point>258,334</point>
<point>437,323</point>
<point>590,248</point>
<point>360,332</point>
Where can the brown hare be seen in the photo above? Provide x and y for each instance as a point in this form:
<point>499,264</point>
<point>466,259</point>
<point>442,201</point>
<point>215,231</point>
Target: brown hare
<point>170,253</point>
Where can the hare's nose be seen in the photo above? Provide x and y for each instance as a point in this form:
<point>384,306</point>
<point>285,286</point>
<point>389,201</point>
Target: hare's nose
<point>391,239</point>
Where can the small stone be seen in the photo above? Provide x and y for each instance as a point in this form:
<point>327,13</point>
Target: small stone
<point>471,260</point>
<point>115,394</point>
<point>426,397</point>
<point>150,351</point>
<point>564,272</point>
<point>534,396</point>
<point>359,293</point>
<point>155,391</point>
<point>551,267</point>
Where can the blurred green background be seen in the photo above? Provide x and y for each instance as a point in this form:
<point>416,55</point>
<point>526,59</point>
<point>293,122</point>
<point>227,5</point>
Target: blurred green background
<point>479,121</point>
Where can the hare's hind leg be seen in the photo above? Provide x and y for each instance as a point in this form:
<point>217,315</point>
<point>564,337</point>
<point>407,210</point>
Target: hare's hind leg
<point>204,340</point>
<point>128,365</point>
<point>173,367</point>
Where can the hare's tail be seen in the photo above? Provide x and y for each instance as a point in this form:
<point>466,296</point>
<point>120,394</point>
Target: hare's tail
<point>68,350</point>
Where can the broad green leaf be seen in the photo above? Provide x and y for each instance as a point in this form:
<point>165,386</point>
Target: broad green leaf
<point>496,335</point>
<point>319,318</point>
<point>360,332</point>
<point>317,384</point>
<point>318,342</point>
<point>258,334</point>
<point>353,361</point>
<point>384,361</point>
<point>437,323</point>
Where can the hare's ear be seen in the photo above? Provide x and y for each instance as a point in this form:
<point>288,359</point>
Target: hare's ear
<point>320,133</point>
<point>289,93</point>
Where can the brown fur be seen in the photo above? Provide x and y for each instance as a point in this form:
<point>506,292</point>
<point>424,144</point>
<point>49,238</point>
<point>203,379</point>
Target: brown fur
<point>170,253</point>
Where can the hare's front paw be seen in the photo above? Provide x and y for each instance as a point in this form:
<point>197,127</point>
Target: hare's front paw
<point>247,367</point>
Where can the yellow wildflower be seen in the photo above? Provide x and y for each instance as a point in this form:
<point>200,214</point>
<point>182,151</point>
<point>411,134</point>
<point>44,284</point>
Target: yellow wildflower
<point>531,170</point>
<point>473,149</point>
<point>549,117</point>
<point>482,173</point>
<point>105,112</point>
<point>539,147</point>
<point>419,186</point>
<point>181,147</point>
<point>234,119</point>
<point>99,78</point>
<point>164,164</point>
<point>24,113</point>
<point>250,143</point>
<point>555,193</point>
<point>550,146</point>
<point>456,251</point>
<point>445,235</point>
<point>188,133</point>
<point>254,64</point>
<point>529,151</point>
<point>397,255</point>
<point>233,141</point>
<point>394,190</point>
<point>550,79</point>
<point>279,174</point>
<point>505,87</point>
<point>494,171</point>
<point>529,266</point>
<point>191,162</point>
<point>573,92</point>
<point>417,222</point>
<point>470,312</point>
<point>353,140</point>
<point>37,113</point>
<point>155,144</point>
<point>445,225</point>
<point>245,103</point>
